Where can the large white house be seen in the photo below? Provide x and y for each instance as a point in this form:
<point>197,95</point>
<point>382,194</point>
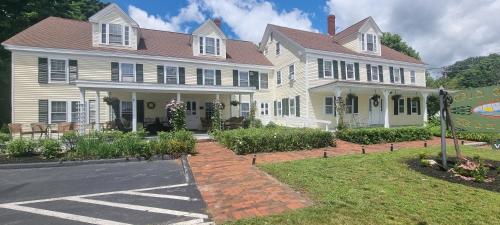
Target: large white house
<point>62,70</point>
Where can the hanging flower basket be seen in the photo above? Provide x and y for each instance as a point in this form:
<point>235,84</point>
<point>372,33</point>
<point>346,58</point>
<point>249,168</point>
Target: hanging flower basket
<point>110,100</point>
<point>235,103</point>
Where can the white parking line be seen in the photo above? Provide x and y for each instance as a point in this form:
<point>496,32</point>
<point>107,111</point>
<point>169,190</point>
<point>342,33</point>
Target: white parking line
<point>138,207</point>
<point>67,216</point>
<point>193,222</point>
<point>156,195</point>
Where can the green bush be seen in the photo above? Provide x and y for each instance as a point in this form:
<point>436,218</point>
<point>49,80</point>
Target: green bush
<point>50,148</point>
<point>69,140</point>
<point>467,135</point>
<point>175,143</point>
<point>130,144</point>
<point>368,136</point>
<point>20,147</point>
<point>253,140</point>
<point>4,137</point>
<point>4,129</point>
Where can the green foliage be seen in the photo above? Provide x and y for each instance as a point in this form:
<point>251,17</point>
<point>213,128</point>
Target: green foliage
<point>130,144</point>
<point>174,143</point>
<point>216,116</point>
<point>178,111</point>
<point>20,147</point>
<point>425,163</point>
<point>274,139</point>
<point>69,140</point>
<point>4,138</point>
<point>467,135</point>
<point>395,42</point>
<point>4,129</point>
<point>422,155</point>
<point>50,148</point>
<point>271,125</point>
<point>368,136</point>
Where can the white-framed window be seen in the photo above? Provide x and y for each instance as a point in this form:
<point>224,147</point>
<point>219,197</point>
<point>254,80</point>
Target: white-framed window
<point>329,107</point>
<point>278,50</point>
<point>127,72</point>
<point>264,81</point>
<point>414,106</point>
<point>327,68</point>
<point>350,71</point>
<point>218,46</point>
<point>171,75</point>
<point>210,45</point>
<point>278,103</point>
<point>292,106</point>
<point>412,77</point>
<point>126,110</point>
<point>58,111</point>
<point>264,108</point>
<point>363,42</point>
<point>209,77</point>
<point>115,34</point>
<point>92,111</point>
<point>349,105</point>
<point>245,109</point>
<point>127,35</point>
<point>397,75</point>
<point>201,45</point>
<point>401,105</point>
<point>75,111</point>
<point>243,80</point>
<point>291,72</point>
<point>368,42</point>
<point>278,77</point>
<point>104,34</point>
<point>58,70</point>
<point>374,73</point>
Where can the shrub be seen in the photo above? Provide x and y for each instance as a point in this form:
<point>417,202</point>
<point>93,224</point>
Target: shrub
<point>368,136</point>
<point>422,155</point>
<point>130,145</point>
<point>253,140</point>
<point>271,125</point>
<point>4,137</point>
<point>175,143</point>
<point>50,148</point>
<point>466,135</point>
<point>425,162</point>
<point>4,129</point>
<point>69,140</point>
<point>20,147</point>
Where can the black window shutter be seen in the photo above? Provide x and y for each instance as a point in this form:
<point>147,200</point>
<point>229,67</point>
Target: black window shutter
<point>381,74</point>
<point>43,110</point>
<point>43,70</point>
<point>381,105</point>
<point>368,72</point>
<point>254,79</point>
<point>140,111</point>
<point>139,75</point>
<point>275,108</point>
<point>391,73</point>
<point>199,76</point>
<point>418,106</point>
<point>356,70</point>
<point>235,78</point>
<point>182,75</point>
<point>335,106</point>
<point>297,106</point>
<point>396,101</point>
<point>408,106</point>
<point>160,77</point>
<point>115,72</point>
<point>218,78</point>
<point>287,107</point>
<point>342,70</point>
<point>335,69</point>
<point>320,68</point>
<point>73,70</point>
<point>355,104</point>
<point>402,75</point>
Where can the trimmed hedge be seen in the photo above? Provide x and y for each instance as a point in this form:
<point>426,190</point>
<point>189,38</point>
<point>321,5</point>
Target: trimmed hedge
<point>368,136</point>
<point>467,135</point>
<point>274,139</point>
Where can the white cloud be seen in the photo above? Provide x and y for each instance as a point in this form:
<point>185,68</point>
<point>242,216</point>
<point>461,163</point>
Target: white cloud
<point>442,31</point>
<point>190,13</point>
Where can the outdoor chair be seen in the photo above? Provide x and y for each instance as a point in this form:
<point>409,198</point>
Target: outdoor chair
<point>17,128</point>
<point>40,128</point>
<point>234,123</point>
<point>61,128</point>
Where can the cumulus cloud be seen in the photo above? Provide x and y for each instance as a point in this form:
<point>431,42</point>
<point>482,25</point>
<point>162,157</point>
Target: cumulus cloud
<point>442,31</point>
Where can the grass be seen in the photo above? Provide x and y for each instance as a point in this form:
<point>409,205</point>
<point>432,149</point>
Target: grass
<point>379,188</point>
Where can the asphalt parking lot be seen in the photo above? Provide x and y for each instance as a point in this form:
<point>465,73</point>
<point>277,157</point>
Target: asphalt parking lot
<point>118,193</point>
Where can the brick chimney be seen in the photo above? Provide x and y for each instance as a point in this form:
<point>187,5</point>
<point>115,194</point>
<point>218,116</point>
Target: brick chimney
<point>217,22</point>
<point>331,25</point>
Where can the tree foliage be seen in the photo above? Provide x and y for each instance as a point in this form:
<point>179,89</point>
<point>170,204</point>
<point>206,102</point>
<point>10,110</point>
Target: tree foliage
<point>395,42</point>
<point>473,72</point>
<point>17,15</point>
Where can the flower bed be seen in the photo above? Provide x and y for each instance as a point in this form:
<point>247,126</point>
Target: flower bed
<point>274,139</point>
<point>368,136</point>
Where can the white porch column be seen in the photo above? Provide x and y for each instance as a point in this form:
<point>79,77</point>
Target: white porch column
<point>134,111</point>
<point>338,93</point>
<point>386,108</point>
<point>239,108</point>
<point>217,96</point>
<point>98,111</point>
<point>178,96</point>
<point>81,114</point>
<point>424,107</point>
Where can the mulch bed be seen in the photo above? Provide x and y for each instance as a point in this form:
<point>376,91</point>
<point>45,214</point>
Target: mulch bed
<point>447,176</point>
<point>28,159</point>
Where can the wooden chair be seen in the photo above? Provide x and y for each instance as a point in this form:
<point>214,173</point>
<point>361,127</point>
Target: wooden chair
<point>39,128</point>
<point>62,128</point>
<point>17,128</point>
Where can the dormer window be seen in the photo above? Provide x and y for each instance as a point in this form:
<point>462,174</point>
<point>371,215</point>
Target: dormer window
<point>115,34</point>
<point>209,46</point>
<point>210,49</point>
<point>368,42</point>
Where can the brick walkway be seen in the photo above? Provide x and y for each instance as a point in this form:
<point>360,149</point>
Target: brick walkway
<point>234,189</point>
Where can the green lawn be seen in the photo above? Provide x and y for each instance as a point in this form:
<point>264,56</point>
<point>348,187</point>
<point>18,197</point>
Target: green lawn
<point>381,189</point>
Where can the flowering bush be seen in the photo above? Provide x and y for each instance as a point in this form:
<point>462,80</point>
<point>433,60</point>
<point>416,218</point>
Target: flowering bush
<point>178,118</point>
<point>216,116</point>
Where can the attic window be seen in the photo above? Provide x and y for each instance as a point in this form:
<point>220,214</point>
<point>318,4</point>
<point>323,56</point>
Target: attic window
<point>115,34</point>
<point>210,46</point>
<point>369,42</point>
<point>210,42</point>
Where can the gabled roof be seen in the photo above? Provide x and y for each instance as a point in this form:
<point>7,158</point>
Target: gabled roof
<point>209,24</point>
<point>352,29</point>
<point>112,8</point>
<point>322,42</point>
<point>59,33</point>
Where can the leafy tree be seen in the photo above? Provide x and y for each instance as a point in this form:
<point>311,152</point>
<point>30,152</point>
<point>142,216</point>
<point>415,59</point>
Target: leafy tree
<point>17,15</point>
<point>395,42</point>
<point>472,72</point>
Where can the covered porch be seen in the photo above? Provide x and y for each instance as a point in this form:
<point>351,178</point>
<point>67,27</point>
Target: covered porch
<point>371,105</point>
<point>142,105</point>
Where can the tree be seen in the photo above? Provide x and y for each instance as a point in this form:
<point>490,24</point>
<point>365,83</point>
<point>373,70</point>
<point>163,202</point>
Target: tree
<point>395,42</point>
<point>17,15</point>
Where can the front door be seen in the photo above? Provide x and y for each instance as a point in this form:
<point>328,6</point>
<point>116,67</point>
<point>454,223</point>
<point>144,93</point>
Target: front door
<point>375,112</point>
<point>192,116</point>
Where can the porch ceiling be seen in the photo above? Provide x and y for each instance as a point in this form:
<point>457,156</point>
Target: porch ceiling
<point>160,88</point>
<point>364,87</point>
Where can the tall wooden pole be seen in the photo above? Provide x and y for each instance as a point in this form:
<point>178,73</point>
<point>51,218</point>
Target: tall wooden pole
<point>442,94</point>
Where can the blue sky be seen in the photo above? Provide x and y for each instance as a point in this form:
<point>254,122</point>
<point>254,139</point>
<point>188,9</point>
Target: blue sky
<point>442,31</point>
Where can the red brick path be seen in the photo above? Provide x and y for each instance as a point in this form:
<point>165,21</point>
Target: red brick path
<point>234,189</point>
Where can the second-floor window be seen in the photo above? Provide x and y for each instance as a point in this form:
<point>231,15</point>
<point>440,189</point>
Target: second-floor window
<point>397,75</point>
<point>291,72</point>
<point>209,77</point>
<point>58,70</point>
<point>243,79</point>
<point>115,34</point>
<point>209,46</point>
<point>327,68</point>
<point>278,77</point>
<point>127,72</point>
<point>171,75</point>
<point>374,73</point>
<point>264,81</point>
<point>368,42</point>
<point>412,77</point>
<point>350,71</point>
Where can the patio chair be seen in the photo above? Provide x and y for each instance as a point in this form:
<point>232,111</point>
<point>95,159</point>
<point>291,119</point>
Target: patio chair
<point>61,128</point>
<point>39,128</point>
<point>234,123</point>
<point>17,128</point>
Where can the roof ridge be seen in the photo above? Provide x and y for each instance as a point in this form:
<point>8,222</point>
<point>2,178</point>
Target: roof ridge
<point>355,24</point>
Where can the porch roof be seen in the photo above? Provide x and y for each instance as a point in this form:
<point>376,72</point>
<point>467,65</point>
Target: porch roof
<point>160,88</point>
<point>366,86</point>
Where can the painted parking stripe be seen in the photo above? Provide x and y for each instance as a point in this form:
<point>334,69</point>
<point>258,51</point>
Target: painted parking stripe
<point>67,216</point>
<point>157,195</point>
<point>138,207</point>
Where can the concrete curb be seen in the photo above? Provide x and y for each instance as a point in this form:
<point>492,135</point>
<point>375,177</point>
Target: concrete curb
<point>188,174</point>
<point>77,163</point>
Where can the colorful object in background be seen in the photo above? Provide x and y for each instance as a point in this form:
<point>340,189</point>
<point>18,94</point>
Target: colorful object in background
<point>491,109</point>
